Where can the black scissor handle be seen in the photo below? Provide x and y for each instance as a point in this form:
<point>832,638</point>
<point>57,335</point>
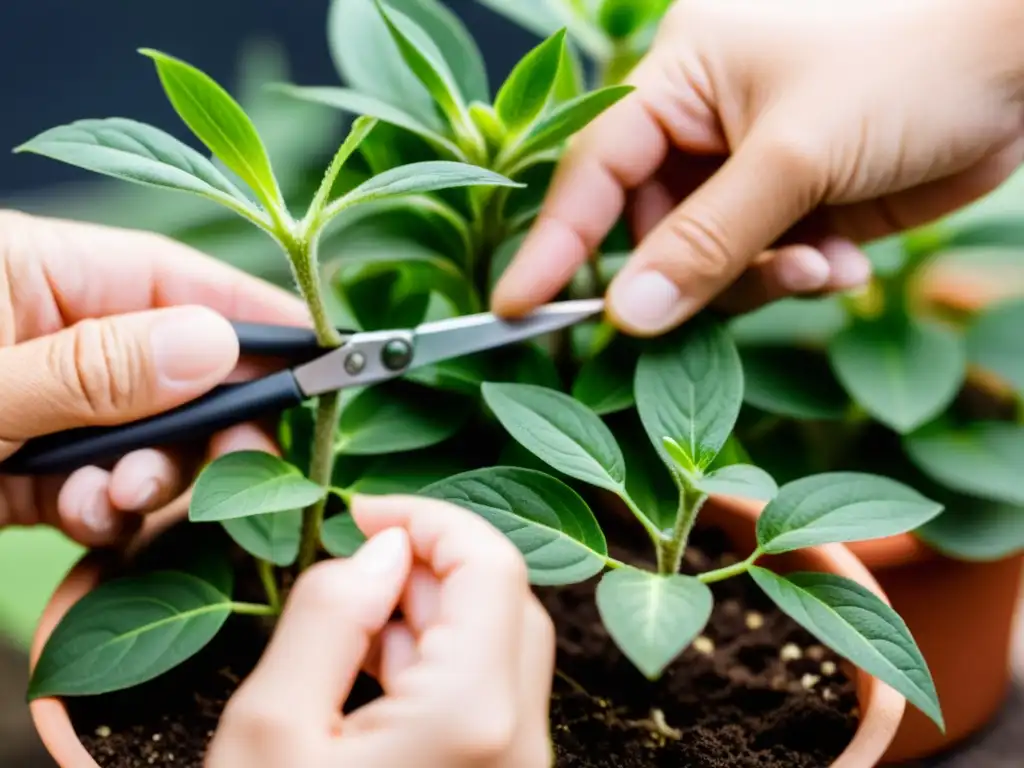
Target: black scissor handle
<point>223,407</point>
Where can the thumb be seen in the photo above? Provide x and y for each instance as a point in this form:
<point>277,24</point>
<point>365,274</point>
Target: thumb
<point>701,247</point>
<point>112,370</point>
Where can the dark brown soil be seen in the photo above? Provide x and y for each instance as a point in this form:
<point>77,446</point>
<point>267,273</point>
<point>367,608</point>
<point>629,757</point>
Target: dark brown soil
<point>742,706</point>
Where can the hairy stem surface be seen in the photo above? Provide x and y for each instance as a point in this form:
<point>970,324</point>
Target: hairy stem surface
<point>304,263</point>
<point>672,549</point>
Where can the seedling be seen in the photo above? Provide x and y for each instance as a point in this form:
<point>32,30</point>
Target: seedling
<point>689,390</point>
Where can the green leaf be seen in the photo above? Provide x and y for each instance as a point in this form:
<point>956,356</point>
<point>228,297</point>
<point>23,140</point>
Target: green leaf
<point>995,342</point>
<point>903,374</point>
<point>984,459</point>
<point>840,507</point>
<point>247,483</point>
<point>689,387</point>
<point>410,265</point>
<point>538,16</point>
<point>648,481</point>
<point>129,631</point>
<point>976,530</point>
<point>404,473</point>
<point>566,119</point>
<point>416,178</point>
<point>857,625</point>
<point>358,103</point>
<point>368,59</point>
<point>427,63</point>
<point>220,123</point>
<point>131,151</point>
<point>605,381</point>
<point>523,95</point>
<point>742,480</point>
<point>622,19</point>
<point>341,536</point>
<point>274,537</point>
<point>546,520</point>
<point>792,382</point>
<point>811,322</point>
<point>652,618</point>
<point>559,430</point>
<point>399,416</point>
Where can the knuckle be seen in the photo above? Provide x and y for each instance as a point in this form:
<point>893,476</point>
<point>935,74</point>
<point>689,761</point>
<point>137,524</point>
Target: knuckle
<point>795,153</point>
<point>707,251</point>
<point>100,365</point>
<point>483,735</point>
<point>260,722</point>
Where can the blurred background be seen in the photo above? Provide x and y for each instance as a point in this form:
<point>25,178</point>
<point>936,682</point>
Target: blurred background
<point>65,60</point>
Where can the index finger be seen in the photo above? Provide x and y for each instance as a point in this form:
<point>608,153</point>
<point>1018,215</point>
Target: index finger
<point>483,585</point>
<point>74,270</point>
<point>616,153</point>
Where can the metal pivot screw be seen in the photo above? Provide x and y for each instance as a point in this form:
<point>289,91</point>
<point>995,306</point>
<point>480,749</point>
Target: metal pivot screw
<point>355,363</point>
<point>396,355</point>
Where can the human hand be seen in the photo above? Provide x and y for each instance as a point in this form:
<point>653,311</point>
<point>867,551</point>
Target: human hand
<point>466,672</point>
<point>767,138</point>
<point>101,326</point>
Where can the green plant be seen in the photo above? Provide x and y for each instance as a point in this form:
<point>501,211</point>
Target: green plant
<point>416,215</point>
<point>890,380</point>
<point>689,392</point>
<point>842,377</point>
<point>613,34</point>
<point>274,508</point>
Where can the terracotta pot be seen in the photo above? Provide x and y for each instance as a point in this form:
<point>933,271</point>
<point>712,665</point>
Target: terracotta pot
<point>881,707</point>
<point>962,616</point>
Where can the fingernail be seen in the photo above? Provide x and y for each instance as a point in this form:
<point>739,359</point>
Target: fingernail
<point>192,344</point>
<point>386,551</point>
<point>648,302</point>
<point>96,513</point>
<point>147,495</point>
<point>803,269</point>
<point>850,267</point>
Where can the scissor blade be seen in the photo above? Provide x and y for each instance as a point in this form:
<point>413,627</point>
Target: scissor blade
<point>362,361</point>
<point>459,336</point>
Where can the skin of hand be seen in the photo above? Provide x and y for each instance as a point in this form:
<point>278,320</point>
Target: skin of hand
<point>766,139</point>
<point>102,326</point>
<point>466,671</point>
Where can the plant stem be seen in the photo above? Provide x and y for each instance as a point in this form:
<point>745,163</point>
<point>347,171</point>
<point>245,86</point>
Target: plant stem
<point>266,571</point>
<point>737,569</point>
<point>254,609</point>
<point>616,68</point>
<point>672,549</point>
<point>321,467</point>
<point>303,254</point>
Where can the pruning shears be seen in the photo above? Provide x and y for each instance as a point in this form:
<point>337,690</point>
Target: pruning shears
<point>363,359</point>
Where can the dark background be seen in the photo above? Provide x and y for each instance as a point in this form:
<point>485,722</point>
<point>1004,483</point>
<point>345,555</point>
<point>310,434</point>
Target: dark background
<point>64,60</point>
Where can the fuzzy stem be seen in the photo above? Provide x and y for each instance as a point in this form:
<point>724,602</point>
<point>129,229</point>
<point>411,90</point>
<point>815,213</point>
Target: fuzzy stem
<point>254,609</point>
<point>321,467</point>
<point>728,572</point>
<point>303,253</point>
<point>672,549</point>
<point>266,571</point>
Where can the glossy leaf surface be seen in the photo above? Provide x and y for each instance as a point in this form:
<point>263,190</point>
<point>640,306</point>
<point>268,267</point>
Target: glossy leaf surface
<point>247,483</point>
<point>546,520</point>
<point>857,625</point>
<point>559,430</point>
<point>652,618</point>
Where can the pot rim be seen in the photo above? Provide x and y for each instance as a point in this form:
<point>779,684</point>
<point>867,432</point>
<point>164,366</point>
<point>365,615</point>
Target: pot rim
<point>881,706</point>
